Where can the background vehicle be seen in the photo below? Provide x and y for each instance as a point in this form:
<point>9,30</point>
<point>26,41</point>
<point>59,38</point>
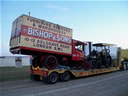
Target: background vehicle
<point>124,59</point>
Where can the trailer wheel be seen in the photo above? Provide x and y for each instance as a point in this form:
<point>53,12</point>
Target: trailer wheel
<point>52,78</point>
<point>50,62</point>
<point>65,76</point>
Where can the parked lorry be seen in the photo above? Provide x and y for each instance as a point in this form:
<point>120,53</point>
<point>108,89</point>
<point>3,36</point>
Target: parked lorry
<point>124,59</point>
<point>55,55</point>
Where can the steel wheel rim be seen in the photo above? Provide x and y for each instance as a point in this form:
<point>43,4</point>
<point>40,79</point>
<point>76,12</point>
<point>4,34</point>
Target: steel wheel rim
<point>51,63</point>
<point>66,76</point>
<point>53,77</point>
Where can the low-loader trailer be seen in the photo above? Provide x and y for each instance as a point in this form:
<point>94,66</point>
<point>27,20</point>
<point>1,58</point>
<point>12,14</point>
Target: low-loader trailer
<point>55,55</point>
<point>124,59</point>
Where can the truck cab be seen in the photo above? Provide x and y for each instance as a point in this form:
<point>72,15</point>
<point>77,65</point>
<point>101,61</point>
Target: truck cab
<point>78,50</point>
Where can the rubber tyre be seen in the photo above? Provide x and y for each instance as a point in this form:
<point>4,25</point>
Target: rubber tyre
<point>93,64</point>
<point>109,61</point>
<point>35,61</point>
<point>52,78</point>
<point>50,62</point>
<point>66,76</point>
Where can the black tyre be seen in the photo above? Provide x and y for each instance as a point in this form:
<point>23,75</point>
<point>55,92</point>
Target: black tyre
<point>52,78</point>
<point>109,61</point>
<point>50,62</point>
<point>93,64</point>
<point>65,76</point>
<point>35,62</point>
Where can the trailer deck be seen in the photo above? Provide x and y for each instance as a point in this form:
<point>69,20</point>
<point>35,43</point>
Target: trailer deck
<point>42,72</point>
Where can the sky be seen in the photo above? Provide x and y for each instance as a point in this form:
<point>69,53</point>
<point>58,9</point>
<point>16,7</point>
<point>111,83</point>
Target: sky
<point>96,21</point>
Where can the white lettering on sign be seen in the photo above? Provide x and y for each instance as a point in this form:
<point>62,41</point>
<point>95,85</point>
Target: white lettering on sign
<point>63,39</point>
<point>48,35</point>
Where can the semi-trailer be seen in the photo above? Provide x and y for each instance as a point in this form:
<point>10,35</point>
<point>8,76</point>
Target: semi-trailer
<point>55,55</point>
<point>124,59</point>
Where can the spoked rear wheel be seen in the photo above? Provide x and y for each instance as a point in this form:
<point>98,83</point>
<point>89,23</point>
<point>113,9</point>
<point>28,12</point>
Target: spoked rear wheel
<point>50,62</point>
<point>109,61</point>
<point>78,66</point>
<point>87,65</point>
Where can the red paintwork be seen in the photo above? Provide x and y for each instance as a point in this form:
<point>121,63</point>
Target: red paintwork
<point>43,57</point>
<point>39,50</point>
<point>77,55</point>
<point>24,32</point>
<point>38,72</point>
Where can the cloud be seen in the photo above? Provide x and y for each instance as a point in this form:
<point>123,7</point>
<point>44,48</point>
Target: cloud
<point>62,9</point>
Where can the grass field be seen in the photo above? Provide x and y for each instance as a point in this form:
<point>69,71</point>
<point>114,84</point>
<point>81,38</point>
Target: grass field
<point>13,73</point>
